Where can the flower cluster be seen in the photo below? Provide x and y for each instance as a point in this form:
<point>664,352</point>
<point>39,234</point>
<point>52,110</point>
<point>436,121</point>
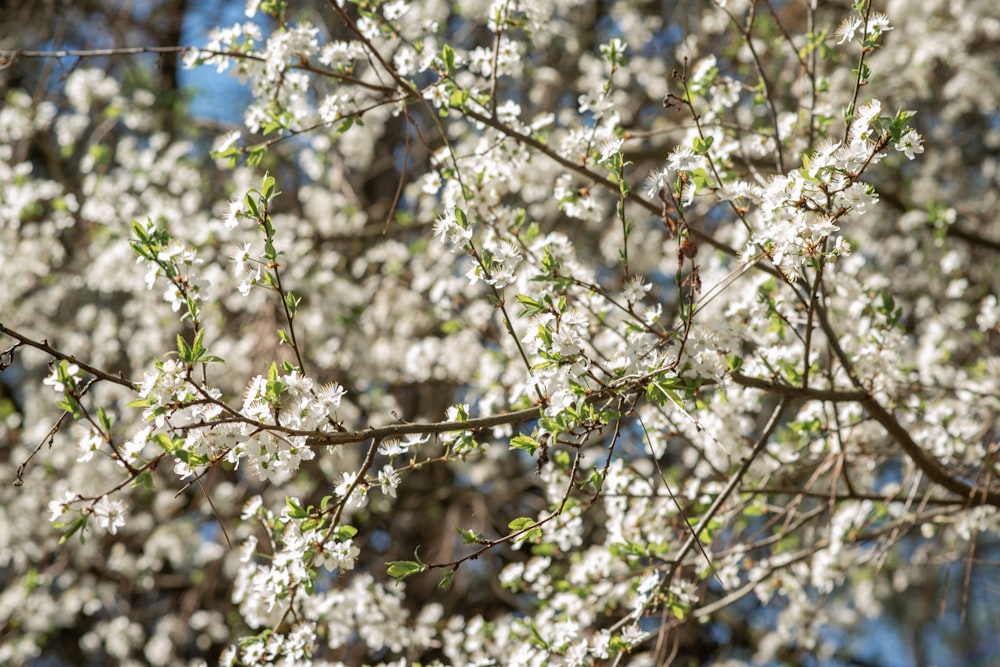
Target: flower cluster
<point>463,391</point>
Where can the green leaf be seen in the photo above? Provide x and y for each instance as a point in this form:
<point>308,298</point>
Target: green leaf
<point>448,57</point>
<point>525,442</point>
<point>520,523</point>
<point>544,549</point>
<point>469,536</point>
<point>166,443</point>
<point>866,73</point>
<point>71,405</point>
<point>538,637</point>
<point>104,419</point>
<point>595,480</point>
<point>144,479</point>
<point>296,511</point>
<point>629,549</point>
<point>271,125</point>
<point>183,349</point>
<point>529,306</point>
<point>562,459</point>
<point>74,526</point>
<point>269,253</point>
<point>267,186</point>
<point>139,232</point>
<point>256,156</point>
<point>701,178</point>
<point>292,303</point>
<point>197,349</point>
<point>665,389</point>
<point>401,569</point>
<point>701,146</point>
<point>251,204</point>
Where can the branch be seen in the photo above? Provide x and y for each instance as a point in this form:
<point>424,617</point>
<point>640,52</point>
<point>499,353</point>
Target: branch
<point>720,500</point>
<point>974,495</point>
<point>603,181</point>
<point>804,393</point>
<point>7,58</point>
<point>44,346</point>
<point>759,446</point>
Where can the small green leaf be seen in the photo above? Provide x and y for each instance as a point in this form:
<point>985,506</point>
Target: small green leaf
<point>452,326</point>
<point>144,479</point>
<point>71,405</point>
<point>269,252</point>
<point>469,536</point>
<point>562,459</point>
<point>267,186</point>
<point>140,232</point>
<point>345,532</point>
<point>701,146</point>
<point>251,204</point>
<point>197,348</point>
<point>525,442</point>
<point>521,523</point>
<point>183,350</point>
<point>256,156</point>
<point>292,303</point>
<point>166,443</point>
<point>458,99</point>
<point>104,419</point>
<point>529,306</point>
<point>74,526</point>
<point>448,57</point>
<point>296,511</point>
<point>401,569</point>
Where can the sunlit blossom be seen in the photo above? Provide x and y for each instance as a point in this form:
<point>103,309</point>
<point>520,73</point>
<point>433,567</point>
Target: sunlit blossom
<point>110,514</point>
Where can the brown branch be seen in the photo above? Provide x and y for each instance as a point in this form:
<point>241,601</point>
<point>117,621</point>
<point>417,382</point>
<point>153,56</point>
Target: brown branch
<point>734,481</point>
<point>973,495</point>
<point>44,346</point>
<point>803,393</point>
<point>486,544</point>
<point>603,181</point>
<point>8,57</point>
<point>772,424</point>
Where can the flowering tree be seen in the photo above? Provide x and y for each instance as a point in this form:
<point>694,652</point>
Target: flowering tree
<point>508,332</point>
